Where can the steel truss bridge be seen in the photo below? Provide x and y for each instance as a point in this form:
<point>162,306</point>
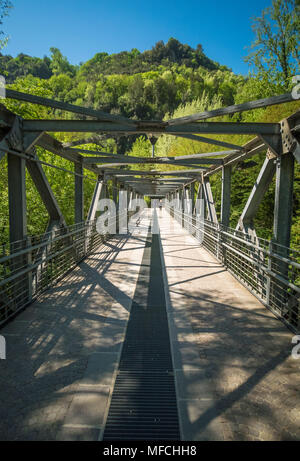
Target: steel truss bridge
<point>32,264</point>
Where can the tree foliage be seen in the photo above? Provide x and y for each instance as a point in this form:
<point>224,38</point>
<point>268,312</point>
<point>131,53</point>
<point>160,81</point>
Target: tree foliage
<point>59,64</point>
<point>5,6</point>
<point>170,80</point>
<point>276,54</point>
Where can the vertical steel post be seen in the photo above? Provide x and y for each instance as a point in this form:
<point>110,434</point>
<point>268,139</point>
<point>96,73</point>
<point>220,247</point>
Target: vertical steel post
<point>283,210</point>
<point>16,198</point>
<point>18,225</point>
<point>283,207</point>
<point>79,202</point>
<point>115,191</point>
<point>225,203</point>
<point>193,196</point>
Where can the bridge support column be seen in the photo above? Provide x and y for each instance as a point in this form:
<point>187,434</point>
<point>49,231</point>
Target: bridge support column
<point>178,201</point>
<point>115,191</point>
<point>225,201</point>
<point>192,191</point>
<point>277,293</point>
<point>199,196</point>
<point>283,207</point>
<point>79,198</point>
<point>129,197</point>
<point>123,210</point>
<point>17,197</point>
<point>18,226</point>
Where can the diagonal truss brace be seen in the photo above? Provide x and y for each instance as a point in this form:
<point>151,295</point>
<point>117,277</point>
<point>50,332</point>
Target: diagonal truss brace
<point>44,189</point>
<point>260,187</point>
<point>99,192</point>
<point>209,200</point>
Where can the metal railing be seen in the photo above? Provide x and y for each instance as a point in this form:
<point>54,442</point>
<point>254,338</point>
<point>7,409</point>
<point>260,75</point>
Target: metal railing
<point>30,266</point>
<point>270,271</point>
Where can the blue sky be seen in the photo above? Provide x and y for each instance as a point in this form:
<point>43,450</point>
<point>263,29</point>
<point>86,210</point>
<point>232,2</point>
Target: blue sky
<point>81,28</point>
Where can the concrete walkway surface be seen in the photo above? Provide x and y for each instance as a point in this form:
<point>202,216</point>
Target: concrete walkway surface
<point>235,377</point>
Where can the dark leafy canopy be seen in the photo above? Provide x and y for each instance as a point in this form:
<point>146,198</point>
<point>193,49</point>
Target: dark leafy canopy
<point>23,65</point>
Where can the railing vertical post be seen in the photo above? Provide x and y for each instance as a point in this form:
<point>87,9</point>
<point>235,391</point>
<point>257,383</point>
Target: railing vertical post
<point>182,205</point>
<point>269,281</point>
<point>219,244</point>
<point>29,262</point>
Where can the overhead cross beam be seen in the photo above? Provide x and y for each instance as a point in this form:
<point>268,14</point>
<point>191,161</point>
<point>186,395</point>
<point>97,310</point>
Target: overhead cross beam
<point>126,160</point>
<point>233,109</point>
<point>13,94</point>
<point>261,143</point>
<point>119,172</point>
<point>145,127</point>
<point>204,140</point>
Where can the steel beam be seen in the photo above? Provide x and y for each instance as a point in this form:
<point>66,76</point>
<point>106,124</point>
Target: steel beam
<point>79,194</point>
<point>145,127</point>
<point>123,172</point>
<point>44,189</point>
<point>225,200</point>
<point>17,198</point>
<point>33,99</point>
<point>212,215</point>
<point>274,143</point>
<point>257,194</point>
<point>127,160</point>
<point>53,145</point>
<point>233,109</point>
<point>283,208</point>
<point>30,139</point>
<point>214,142</point>
<point>199,196</point>
<point>98,193</point>
<point>200,155</point>
<point>115,191</point>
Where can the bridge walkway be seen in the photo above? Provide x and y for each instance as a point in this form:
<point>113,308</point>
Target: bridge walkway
<point>234,375</point>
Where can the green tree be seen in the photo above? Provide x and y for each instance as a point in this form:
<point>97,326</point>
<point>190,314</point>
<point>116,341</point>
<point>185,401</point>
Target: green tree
<point>276,54</point>
<point>60,64</point>
<point>5,6</point>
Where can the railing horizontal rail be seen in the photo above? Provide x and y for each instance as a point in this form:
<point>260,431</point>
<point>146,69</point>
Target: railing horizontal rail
<point>270,271</point>
<point>30,266</point>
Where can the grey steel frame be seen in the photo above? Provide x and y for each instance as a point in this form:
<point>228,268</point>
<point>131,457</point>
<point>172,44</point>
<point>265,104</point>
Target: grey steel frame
<point>28,264</point>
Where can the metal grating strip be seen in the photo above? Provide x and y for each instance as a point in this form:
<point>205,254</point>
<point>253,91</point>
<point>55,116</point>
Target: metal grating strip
<point>144,405</point>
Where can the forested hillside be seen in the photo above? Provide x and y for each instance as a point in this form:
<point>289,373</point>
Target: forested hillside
<point>126,62</point>
<point>170,80</point>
